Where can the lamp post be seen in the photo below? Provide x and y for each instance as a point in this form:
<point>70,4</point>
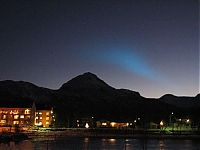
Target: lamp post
<point>171,121</point>
<point>170,117</point>
<point>161,124</point>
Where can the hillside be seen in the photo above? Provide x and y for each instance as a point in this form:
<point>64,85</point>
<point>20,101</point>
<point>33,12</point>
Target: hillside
<point>87,95</point>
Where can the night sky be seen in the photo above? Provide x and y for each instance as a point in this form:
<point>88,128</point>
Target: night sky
<point>149,46</point>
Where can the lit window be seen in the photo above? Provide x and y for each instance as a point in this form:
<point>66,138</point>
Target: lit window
<point>36,117</point>
<point>28,116</point>
<point>104,124</point>
<point>5,112</point>
<point>47,122</point>
<point>47,118</point>
<point>4,116</point>
<point>40,117</point>
<point>3,121</point>
<point>38,124</point>
<point>112,124</point>
<point>47,113</point>
<point>27,111</point>
<point>15,112</point>
<point>15,122</point>
<point>40,113</point>
<point>52,112</point>
<point>21,116</point>
<point>16,116</point>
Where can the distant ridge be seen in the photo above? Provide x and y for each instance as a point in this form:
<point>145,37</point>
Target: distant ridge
<point>85,82</point>
<point>87,95</point>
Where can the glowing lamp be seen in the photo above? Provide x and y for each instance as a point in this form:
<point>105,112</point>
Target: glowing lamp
<point>161,123</point>
<point>87,125</point>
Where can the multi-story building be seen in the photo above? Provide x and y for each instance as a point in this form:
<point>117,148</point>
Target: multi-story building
<point>26,117</point>
<point>16,116</point>
<point>44,117</point>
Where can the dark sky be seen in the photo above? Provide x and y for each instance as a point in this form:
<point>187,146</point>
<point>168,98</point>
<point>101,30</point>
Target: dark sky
<point>150,46</point>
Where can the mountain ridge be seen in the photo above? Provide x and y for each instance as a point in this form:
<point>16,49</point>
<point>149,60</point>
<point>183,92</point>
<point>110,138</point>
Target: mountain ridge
<point>88,95</point>
<point>83,75</point>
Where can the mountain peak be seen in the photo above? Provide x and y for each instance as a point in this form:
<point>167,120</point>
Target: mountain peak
<point>168,96</point>
<point>87,80</point>
<point>89,74</point>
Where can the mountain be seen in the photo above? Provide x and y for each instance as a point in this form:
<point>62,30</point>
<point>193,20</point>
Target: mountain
<point>183,101</point>
<point>87,95</point>
<point>86,81</point>
<point>19,92</point>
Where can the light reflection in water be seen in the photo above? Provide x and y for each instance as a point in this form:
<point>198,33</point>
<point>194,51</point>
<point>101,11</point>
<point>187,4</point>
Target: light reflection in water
<point>112,141</point>
<point>162,145</point>
<point>24,145</point>
<point>86,143</point>
<point>73,143</point>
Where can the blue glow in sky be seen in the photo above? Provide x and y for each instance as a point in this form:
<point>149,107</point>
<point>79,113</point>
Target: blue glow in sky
<point>149,46</point>
<point>129,61</point>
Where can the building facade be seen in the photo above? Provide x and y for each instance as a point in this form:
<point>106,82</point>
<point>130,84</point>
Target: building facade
<point>44,117</point>
<point>16,116</point>
<point>26,117</point>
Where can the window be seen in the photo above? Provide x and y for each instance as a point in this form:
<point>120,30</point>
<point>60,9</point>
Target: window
<point>27,116</point>
<point>3,121</point>
<point>27,111</point>
<point>16,116</point>
<point>21,116</point>
<point>15,112</point>
<point>38,123</point>
<point>4,116</point>
<point>104,124</point>
<point>15,122</point>
<point>47,118</point>
<point>40,117</point>
<point>47,113</point>
<point>40,113</point>
<point>47,122</point>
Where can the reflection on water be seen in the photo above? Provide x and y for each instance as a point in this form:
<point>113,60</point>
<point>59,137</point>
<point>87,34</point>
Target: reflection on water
<point>73,143</point>
<point>24,145</point>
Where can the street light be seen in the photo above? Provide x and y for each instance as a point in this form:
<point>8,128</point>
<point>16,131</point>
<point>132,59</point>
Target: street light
<point>161,123</point>
<point>86,125</point>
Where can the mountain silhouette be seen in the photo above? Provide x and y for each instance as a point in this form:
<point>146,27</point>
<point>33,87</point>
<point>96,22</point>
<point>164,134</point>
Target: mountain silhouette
<point>87,95</point>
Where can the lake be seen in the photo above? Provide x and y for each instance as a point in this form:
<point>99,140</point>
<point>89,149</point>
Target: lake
<point>74,143</point>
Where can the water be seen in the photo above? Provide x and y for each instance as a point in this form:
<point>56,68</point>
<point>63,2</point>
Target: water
<point>74,143</point>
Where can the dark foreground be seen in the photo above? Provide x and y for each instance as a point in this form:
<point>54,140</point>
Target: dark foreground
<point>76,143</point>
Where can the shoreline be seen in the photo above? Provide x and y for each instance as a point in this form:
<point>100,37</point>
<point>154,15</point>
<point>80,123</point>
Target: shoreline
<point>85,133</point>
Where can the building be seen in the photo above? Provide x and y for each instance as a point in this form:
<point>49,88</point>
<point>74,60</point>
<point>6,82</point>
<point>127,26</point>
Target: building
<point>109,124</point>
<point>26,117</point>
<point>44,117</point>
<point>16,116</point>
